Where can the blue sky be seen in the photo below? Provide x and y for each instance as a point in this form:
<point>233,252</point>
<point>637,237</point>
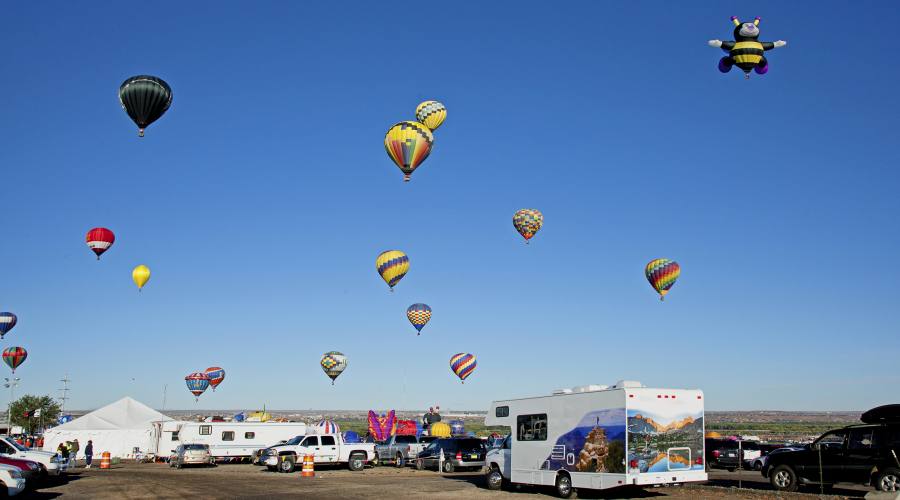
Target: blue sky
<point>261,199</point>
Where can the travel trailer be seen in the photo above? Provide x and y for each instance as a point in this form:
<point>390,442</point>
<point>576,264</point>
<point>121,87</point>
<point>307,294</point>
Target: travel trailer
<point>225,439</point>
<point>599,437</point>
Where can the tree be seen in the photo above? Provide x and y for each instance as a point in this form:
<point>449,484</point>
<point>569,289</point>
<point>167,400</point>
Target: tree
<point>27,404</point>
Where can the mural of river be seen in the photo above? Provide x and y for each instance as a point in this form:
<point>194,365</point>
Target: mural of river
<point>660,442</point>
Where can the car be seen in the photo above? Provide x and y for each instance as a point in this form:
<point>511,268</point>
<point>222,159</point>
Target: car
<point>30,470</point>
<point>12,479</point>
<point>51,463</point>
<point>191,454</point>
<point>758,462</point>
<point>864,454</point>
<point>723,453</point>
<point>459,453</point>
<point>398,450</point>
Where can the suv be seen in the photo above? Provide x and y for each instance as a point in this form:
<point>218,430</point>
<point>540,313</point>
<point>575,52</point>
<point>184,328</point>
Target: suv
<point>191,454</point>
<point>458,453</point>
<point>861,454</point>
<point>723,453</point>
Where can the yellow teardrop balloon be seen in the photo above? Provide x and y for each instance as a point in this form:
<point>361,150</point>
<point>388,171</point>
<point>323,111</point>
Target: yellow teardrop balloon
<point>140,275</point>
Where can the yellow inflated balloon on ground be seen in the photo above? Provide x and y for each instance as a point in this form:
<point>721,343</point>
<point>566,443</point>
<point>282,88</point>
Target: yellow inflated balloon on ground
<point>140,275</point>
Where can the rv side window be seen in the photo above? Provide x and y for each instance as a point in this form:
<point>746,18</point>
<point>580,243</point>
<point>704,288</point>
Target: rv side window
<point>174,435</point>
<point>249,435</point>
<point>532,427</point>
<point>328,441</point>
<point>502,411</point>
<point>205,430</point>
<point>227,435</point>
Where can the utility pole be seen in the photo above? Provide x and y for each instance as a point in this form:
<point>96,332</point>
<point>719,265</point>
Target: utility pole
<point>11,384</point>
<point>65,393</point>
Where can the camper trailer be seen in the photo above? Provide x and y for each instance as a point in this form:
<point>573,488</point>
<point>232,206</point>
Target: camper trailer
<point>599,437</point>
<point>226,439</point>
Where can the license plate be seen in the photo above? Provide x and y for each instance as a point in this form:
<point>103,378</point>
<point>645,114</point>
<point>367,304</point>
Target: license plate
<point>475,456</point>
<point>731,454</point>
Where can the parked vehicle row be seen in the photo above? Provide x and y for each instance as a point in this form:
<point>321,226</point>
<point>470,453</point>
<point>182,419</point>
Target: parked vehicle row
<point>21,467</point>
<point>400,450</point>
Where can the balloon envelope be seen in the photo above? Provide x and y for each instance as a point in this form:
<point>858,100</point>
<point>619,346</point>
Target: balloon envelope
<point>99,240</point>
<point>140,275</point>
<point>7,321</point>
<point>392,265</point>
<point>408,144</point>
<point>463,364</point>
<point>527,222</point>
<point>431,114</point>
<point>14,356</point>
<point>145,98</point>
<point>333,363</point>
<point>662,273</point>
<point>419,315</point>
<point>197,383</point>
<point>216,376</point>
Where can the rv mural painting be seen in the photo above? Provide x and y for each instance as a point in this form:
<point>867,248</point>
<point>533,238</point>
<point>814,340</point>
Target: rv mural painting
<point>660,441</point>
<point>596,444</point>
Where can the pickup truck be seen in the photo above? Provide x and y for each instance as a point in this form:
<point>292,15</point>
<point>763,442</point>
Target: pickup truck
<point>400,449</point>
<point>326,448</point>
<point>50,464</point>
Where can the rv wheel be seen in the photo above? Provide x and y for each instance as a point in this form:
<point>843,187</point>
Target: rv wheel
<point>286,465</point>
<point>494,479</point>
<point>889,480</point>
<point>564,486</point>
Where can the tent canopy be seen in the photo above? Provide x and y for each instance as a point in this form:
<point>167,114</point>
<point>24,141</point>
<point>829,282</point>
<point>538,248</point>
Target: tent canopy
<point>125,413</point>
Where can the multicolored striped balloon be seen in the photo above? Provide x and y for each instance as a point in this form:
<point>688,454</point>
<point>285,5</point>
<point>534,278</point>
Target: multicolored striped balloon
<point>463,365</point>
<point>392,266</point>
<point>527,222</point>
<point>431,113</point>
<point>419,315</point>
<point>662,273</point>
<point>216,376</point>
<point>14,356</point>
<point>408,144</point>
<point>7,322</point>
<point>334,363</point>
<point>197,383</point>
<point>327,427</point>
<point>99,240</point>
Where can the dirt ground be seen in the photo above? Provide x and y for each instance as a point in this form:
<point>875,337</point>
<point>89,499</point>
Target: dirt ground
<point>128,481</point>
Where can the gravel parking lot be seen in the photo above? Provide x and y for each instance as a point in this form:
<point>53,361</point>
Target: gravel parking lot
<point>247,481</point>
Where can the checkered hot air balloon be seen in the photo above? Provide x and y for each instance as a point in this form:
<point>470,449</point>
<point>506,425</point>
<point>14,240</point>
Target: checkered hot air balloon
<point>197,383</point>
<point>333,363</point>
<point>462,364</point>
<point>99,240</point>
<point>419,315</point>
<point>14,356</point>
<point>431,114</point>
<point>392,265</point>
<point>408,144</point>
<point>662,273</point>
<point>7,322</point>
<point>527,222</point>
<point>216,376</point>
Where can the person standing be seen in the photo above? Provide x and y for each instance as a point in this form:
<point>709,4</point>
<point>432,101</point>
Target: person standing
<point>73,452</point>
<point>89,454</point>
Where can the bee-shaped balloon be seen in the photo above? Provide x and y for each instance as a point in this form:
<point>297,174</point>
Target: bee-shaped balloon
<point>745,52</point>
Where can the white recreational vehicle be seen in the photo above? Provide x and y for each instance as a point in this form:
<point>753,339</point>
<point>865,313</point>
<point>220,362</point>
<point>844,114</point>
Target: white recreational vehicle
<point>226,439</point>
<point>598,437</point>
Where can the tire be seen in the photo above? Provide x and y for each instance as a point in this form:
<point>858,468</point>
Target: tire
<point>730,469</point>
<point>564,487</point>
<point>889,480</point>
<point>357,462</point>
<point>783,478</point>
<point>177,465</point>
<point>286,465</point>
<point>757,466</point>
<point>400,462</point>
<point>375,461</point>
<point>494,479</point>
<point>448,467</point>
<point>420,464</point>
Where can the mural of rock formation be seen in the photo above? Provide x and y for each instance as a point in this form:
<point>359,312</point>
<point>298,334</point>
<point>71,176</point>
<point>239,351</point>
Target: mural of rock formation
<point>593,455</point>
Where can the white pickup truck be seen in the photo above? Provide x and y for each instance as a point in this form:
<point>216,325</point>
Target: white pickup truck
<point>50,464</point>
<point>326,448</point>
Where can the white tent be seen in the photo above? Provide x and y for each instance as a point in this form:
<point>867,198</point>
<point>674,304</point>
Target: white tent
<point>118,428</point>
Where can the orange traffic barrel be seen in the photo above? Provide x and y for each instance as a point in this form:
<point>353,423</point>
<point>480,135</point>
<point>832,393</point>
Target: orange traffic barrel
<point>309,469</point>
<point>104,460</point>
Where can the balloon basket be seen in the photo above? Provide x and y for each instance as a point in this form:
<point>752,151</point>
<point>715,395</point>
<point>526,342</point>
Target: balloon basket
<point>140,132</point>
<point>405,177</point>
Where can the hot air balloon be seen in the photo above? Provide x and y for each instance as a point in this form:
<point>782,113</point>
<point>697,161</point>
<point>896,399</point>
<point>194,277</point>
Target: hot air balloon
<point>662,273</point>
<point>463,365</point>
<point>745,51</point>
<point>99,240</point>
<point>14,356</point>
<point>392,265</point>
<point>527,222</point>
<point>408,144</point>
<point>140,275</point>
<point>334,363</point>
<point>7,322</point>
<point>431,114</point>
<point>145,98</point>
<point>216,376</point>
<point>197,383</point>
<point>419,315</point>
